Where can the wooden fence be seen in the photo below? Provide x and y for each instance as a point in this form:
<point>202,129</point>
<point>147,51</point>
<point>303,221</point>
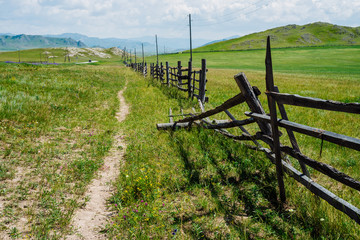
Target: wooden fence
<point>270,135</point>
<point>190,80</point>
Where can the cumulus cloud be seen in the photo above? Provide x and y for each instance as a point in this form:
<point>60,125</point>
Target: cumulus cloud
<point>211,18</point>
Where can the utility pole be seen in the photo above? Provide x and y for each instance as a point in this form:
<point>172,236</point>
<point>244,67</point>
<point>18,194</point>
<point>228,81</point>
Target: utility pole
<point>130,56</point>
<point>157,51</point>
<point>135,55</point>
<point>190,38</point>
<point>19,55</point>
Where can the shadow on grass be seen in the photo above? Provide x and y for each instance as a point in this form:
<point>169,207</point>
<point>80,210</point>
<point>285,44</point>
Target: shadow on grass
<point>173,93</point>
<point>251,189</point>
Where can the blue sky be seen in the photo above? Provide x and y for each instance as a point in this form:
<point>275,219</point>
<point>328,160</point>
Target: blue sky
<point>212,19</point>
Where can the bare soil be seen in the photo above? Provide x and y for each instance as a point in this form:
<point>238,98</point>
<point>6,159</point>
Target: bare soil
<point>88,221</point>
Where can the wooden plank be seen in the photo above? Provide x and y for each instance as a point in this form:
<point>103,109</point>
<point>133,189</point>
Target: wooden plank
<point>189,79</point>
<point>273,121</point>
<point>339,139</point>
<point>226,105</point>
<point>162,79</point>
<point>171,126</point>
<point>193,84</point>
<point>235,123</point>
<point>243,137</point>
<point>242,128</point>
<point>202,83</point>
<point>323,167</point>
<point>171,119</point>
<point>251,99</point>
<point>291,134</point>
<point>179,73</point>
<point>337,202</point>
<point>297,100</point>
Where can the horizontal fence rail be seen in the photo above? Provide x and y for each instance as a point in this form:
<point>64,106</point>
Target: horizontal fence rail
<point>270,135</point>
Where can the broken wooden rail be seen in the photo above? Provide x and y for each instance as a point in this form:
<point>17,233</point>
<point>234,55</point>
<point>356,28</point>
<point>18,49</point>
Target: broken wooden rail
<point>270,135</point>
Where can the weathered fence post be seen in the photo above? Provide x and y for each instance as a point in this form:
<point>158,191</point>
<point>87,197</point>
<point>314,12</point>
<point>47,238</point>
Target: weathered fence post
<point>152,70</point>
<point>202,82</point>
<point>145,70</point>
<point>162,72</point>
<point>252,101</point>
<point>274,123</point>
<point>291,134</point>
<point>157,71</point>
<point>179,74</point>
<point>167,74</point>
<point>189,79</point>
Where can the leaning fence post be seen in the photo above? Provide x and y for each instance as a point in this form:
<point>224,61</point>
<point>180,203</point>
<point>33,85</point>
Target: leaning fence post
<point>167,73</point>
<point>202,82</point>
<point>189,78</point>
<point>179,74</point>
<point>274,123</point>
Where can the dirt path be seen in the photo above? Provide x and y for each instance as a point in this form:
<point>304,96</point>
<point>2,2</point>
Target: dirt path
<point>88,221</point>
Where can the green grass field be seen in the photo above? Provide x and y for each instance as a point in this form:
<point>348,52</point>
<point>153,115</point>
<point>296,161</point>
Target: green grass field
<point>57,124</point>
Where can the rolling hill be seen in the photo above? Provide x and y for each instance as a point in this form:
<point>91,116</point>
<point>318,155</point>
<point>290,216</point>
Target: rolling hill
<point>313,34</point>
<point>15,42</point>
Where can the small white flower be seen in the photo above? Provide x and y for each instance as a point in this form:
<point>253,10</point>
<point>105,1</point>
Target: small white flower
<point>322,219</point>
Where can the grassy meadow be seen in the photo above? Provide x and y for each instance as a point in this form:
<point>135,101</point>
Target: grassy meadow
<point>57,124</point>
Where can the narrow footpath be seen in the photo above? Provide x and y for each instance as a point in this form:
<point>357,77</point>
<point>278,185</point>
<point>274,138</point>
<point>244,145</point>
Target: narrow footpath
<point>88,221</point>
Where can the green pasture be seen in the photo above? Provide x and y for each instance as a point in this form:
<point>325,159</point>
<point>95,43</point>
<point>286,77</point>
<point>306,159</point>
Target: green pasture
<point>57,125</point>
<point>328,73</point>
<point>196,184</point>
<point>339,61</point>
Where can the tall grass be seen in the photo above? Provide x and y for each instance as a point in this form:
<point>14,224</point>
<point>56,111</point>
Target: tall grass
<point>195,184</point>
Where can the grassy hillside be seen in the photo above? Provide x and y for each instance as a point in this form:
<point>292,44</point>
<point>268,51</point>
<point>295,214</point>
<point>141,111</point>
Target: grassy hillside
<point>11,43</point>
<point>57,55</point>
<point>314,34</point>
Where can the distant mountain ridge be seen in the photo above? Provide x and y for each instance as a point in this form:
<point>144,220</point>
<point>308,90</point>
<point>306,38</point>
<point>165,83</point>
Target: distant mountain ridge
<point>164,44</point>
<point>9,42</point>
<point>313,34</point>
<point>101,42</point>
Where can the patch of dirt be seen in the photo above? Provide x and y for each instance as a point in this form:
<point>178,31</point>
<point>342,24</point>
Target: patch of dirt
<point>88,221</point>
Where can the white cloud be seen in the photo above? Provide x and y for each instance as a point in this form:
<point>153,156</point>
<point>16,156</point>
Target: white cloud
<point>211,18</point>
